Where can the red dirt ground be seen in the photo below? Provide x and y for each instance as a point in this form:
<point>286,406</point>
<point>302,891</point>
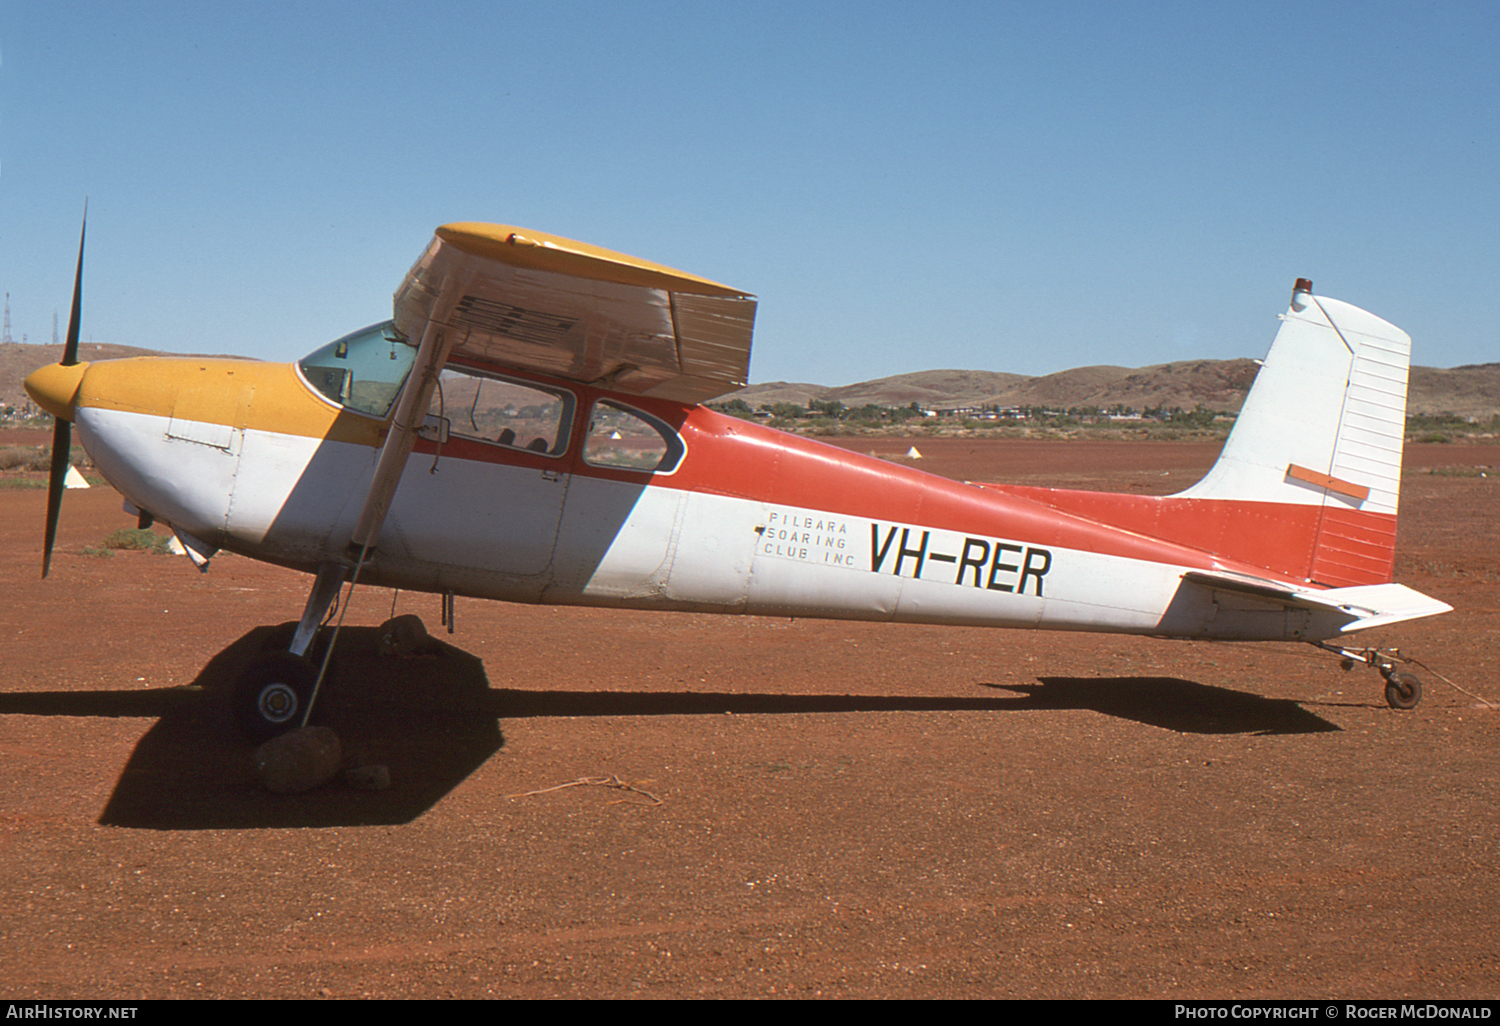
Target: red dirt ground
<point>846,809</point>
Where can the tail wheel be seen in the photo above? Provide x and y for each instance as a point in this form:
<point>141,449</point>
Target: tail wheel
<point>1403,691</point>
<point>272,694</point>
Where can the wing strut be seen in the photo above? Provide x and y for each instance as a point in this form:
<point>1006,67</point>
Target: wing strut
<point>432,355</point>
<point>411,405</point>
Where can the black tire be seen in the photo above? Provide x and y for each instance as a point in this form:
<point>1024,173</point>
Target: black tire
<point>1403,691</point>
<point>271,695</point>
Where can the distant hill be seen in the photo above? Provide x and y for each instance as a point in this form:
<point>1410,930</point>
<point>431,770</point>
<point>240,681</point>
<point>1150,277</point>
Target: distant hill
<point>1469,391</point>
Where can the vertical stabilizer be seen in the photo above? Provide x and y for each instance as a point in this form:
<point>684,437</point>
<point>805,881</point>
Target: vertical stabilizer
<point>1323,427</point>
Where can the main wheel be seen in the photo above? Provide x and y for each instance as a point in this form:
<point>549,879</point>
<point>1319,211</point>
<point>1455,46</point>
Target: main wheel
<point>271,696</point>
<point>1403,691</point>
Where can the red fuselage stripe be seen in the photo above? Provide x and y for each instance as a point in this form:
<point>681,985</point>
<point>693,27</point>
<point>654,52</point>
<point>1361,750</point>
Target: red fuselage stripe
<point>728,456</point>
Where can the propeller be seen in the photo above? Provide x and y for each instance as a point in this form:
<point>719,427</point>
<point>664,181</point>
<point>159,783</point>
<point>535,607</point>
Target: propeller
<point>62,432</point>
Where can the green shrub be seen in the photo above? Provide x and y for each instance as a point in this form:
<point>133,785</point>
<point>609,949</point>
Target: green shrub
<point>139,538</point>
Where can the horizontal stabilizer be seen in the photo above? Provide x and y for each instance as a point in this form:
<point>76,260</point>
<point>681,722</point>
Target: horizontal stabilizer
<point>1379,604</point>
<point>1369,605</point>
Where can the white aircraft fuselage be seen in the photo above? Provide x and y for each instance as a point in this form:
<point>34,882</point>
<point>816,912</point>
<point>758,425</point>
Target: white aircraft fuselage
<point>750,520</point>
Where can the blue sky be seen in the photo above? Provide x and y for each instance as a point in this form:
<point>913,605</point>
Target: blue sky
<point>1009,186</point>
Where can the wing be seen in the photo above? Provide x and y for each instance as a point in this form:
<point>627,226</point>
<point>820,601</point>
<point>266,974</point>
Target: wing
<point>539,302</point>
<point>543,303</point>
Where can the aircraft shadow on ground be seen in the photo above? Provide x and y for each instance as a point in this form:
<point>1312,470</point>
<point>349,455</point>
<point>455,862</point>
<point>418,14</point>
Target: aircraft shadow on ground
<point>1184,706</point>
<point>428,718</point>
<point>1180,705</point>
<point>433,720</point>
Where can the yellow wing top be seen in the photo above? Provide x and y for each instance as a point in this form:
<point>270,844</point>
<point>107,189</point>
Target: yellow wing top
<point>513,297</point>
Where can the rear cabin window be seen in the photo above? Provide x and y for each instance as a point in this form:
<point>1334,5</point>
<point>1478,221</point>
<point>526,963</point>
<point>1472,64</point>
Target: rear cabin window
<point>503,411</point>
<point>628,439</point>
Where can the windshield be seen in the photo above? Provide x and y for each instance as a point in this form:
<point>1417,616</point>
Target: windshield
<point>364,370</point>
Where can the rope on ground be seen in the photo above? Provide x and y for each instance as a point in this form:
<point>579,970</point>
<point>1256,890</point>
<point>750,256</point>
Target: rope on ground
<point>609,781</point>
<point>1445,680</point>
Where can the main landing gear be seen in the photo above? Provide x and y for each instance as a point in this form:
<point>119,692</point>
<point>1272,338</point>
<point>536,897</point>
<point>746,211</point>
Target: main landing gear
<point>276,691</point>
<point>1402,690</point>
<point>272,695</point>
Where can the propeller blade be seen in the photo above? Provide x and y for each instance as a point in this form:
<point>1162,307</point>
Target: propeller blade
<point>62,440</point>
<point>62,433</point>
<point>70,347</point>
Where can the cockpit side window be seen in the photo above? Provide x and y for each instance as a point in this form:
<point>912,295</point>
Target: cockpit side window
<point>364,370</point>
<point>496,410</point>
